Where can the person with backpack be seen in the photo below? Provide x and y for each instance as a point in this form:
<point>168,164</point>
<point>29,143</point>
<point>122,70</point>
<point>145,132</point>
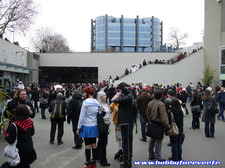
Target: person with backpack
<point>74,108</point>
<point>57,109</point>
<point>126,120</point>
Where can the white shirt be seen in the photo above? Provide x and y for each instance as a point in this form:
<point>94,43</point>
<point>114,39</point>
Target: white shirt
<point>88,113</point>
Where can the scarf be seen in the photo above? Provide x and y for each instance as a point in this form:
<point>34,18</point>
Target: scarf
<point>28,123</point>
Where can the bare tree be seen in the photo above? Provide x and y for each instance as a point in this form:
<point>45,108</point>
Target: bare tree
<point>48,41</point>
<point>16,15</point>
<point>177,37</point>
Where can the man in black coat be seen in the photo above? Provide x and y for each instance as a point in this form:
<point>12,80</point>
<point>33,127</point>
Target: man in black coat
<point>126,120</point>
<point>74,108</point>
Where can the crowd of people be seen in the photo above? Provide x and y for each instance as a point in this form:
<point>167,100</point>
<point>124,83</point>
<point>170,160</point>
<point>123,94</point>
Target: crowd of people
<point>80,104</point>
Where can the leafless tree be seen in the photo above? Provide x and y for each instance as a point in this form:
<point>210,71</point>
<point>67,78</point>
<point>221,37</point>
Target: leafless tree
<point>48,41</point>
<point>177,37</point>
<point>16,15</point>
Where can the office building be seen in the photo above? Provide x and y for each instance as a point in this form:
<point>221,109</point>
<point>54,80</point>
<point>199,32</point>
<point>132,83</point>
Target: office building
<point>110,34</point>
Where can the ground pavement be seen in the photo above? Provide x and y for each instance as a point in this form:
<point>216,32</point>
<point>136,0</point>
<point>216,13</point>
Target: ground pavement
<point>196,147</point>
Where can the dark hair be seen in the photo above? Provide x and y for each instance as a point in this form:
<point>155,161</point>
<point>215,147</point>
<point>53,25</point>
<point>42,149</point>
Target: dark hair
<point>21,112</point>
<point>175,103</point>
<point>164,92</point>
<point>171,92</point>
<point>158,94</point>
<point>123,87</point>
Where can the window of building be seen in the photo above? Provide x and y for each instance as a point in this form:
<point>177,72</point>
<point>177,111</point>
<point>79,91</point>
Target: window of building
<point>223,57</point>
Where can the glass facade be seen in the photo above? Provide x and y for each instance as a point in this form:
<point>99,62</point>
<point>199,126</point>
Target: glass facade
<point>127,34</point>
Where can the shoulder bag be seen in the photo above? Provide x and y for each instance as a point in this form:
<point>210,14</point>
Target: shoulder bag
<point>12,153</point>
<point>174,128</point>
<point>43,100</point>
<point>155,130</point>
<point>102,126</point>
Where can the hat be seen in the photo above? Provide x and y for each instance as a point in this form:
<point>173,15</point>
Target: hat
<point>209,89</point>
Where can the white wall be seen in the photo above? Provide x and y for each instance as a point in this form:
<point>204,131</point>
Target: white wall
<point>13,54</point>
<point>185,71</point>
<point>109,64</point>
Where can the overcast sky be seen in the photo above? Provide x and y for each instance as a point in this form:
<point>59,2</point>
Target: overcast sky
<point>72,18</point>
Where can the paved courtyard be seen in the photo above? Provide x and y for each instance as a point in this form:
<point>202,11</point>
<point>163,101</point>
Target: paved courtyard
<point>195,148</point>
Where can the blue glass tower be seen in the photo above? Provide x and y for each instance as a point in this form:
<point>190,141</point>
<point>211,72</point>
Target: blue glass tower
<point>110,34</point>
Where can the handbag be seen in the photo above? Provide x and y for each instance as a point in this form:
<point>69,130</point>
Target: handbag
<point>12,153</point>
<point>102,126</point>
<point>174,128</point>
<point>43,100</point>
<point>195,109</point>
<point>212,107</point>
<point>155,130</point>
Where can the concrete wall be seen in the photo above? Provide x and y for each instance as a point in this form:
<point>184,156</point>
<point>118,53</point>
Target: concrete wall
<point>33,62</point>
<point>13,54</point>
<point>109,64</point>
<point>214,37</point>
<point>185,71</point>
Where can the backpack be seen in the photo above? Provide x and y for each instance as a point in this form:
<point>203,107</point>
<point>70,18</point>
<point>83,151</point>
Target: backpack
<point>58,110</point>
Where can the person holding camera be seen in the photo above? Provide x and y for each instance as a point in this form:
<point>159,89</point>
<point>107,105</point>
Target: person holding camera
<point>125,119</point>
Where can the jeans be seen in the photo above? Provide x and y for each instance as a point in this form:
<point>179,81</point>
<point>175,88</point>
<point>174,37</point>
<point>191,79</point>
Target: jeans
<point>127,143</point>
<point>176,147</point>
<point>144,121</point>
<point>189,99</point>
<point>43,112</point>
<point>222,108</point>
<point>209,131</point>
<point>101,148</point>
<point>54,123</point>
<point>77,140</point>
<point>157,144</point>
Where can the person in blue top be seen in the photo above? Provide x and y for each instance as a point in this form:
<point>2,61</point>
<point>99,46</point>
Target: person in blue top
<point>220,98</point>
<point>87,126</point>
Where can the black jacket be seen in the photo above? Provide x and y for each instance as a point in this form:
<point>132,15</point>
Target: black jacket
<point>35,94</point>
<point>178,117</point>
<point>197,100</point>
<point>24,138</point>
<point>12,105</point>
<point>125,108</point>
<point>74,108</point>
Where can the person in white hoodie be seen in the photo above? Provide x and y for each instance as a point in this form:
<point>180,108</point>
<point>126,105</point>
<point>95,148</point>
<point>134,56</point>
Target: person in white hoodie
<point>87,126</point>
<point>21,85</point>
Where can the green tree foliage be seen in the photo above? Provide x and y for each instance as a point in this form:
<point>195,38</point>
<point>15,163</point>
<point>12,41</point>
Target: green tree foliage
<point>208,76</point>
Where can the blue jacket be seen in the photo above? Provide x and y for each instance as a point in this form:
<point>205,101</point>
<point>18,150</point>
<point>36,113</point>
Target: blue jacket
<point>220,97</point>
